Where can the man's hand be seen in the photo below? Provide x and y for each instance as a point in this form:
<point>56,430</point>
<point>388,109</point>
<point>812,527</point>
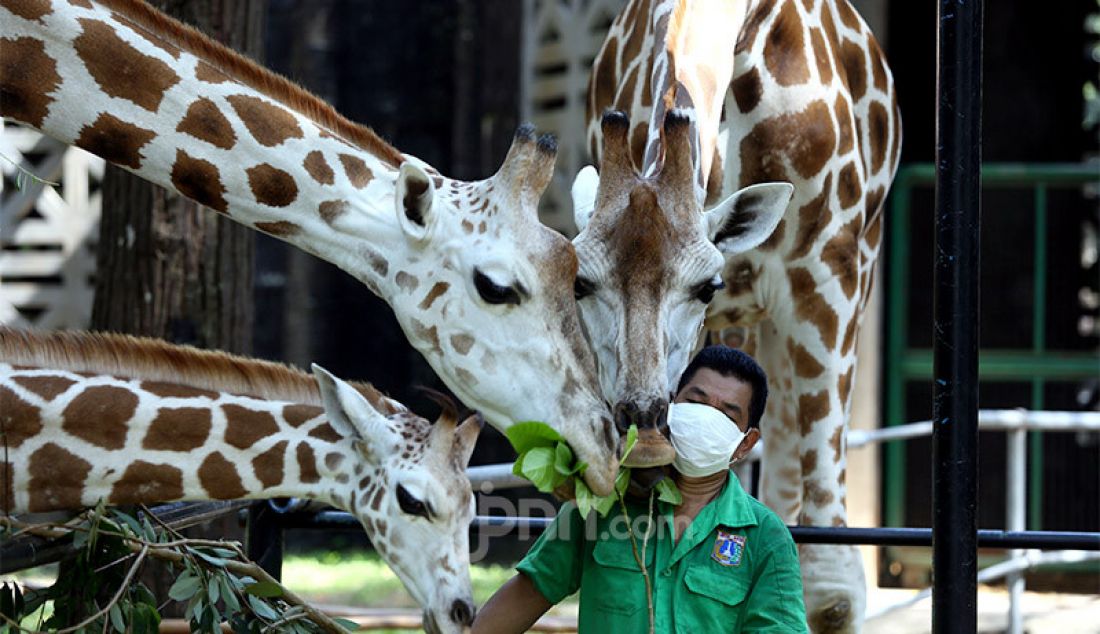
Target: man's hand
<point>513,608</point>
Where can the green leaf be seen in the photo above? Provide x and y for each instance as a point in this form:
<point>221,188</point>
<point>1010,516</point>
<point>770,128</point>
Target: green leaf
<point>517,466</point>
<point>350,626</point>
<point>586,500</point>
<point>668,492</point>
<point>631,440</point>
<point>80,538</point>
<point>185,587</point>
<point>622,481</point>
<point>528,435</point>
<point>605,504</point>
<point>262,609</point>
<point>264,589</point>
<point>563,459</point>
<point>210,559</point>
<point>131,523</point>
<point>230,598</point>
<point>538,467</point>
<point>116,618</point>
<point>214,591</point>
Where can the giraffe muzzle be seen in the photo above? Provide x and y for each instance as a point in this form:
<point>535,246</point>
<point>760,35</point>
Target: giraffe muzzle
<point>653,448</point>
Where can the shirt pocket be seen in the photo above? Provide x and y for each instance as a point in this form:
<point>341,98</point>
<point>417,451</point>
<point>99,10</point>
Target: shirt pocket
<point>617,579</point>
<point>715,598</point>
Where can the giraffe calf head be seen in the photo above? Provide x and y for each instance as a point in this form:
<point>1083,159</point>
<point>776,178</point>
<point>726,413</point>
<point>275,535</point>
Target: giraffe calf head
<point>650,261</point>
<point>487,297</point>
<point>411,493</point>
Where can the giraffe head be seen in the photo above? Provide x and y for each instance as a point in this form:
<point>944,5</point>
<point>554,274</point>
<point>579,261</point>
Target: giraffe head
<point>486,295</point>
<point>650,260</point>
<point>411,493</point>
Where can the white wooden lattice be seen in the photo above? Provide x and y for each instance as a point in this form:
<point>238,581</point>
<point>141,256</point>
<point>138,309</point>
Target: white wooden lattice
<point>560,40</point>
<point>47,233</point>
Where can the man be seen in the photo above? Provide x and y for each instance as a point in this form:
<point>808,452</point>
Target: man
<point>718,562</point>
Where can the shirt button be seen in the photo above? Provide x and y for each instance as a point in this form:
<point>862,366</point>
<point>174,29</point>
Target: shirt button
<point>666,572</point>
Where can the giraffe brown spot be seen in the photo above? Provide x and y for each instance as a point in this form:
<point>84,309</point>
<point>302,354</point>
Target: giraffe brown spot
<point>406,281</point>
<point>268,466</point>
<point>199,180</point>
<point>806,138</point>
<point>872,231</point>
<point>296,414</point>
<point>838,521</point>
<point>467,226</point>
<point>895,139</point>
<point>178,429</point>
<point>462,343</point>
<point>279,228</point>
<point>121,70</point>
<point>48,387</point>
<point>844,385</point>
<point>809,305</point>
<point>28,9</point>
<point>438,289</point>
<point>100,415</point>
<point>377,263</point>
<point>784,49</point>
<point>466,377</point>
<point>115,140</point>
<point>357,171</point>
<point>752,25</point>
<point>56,479</point>
<point>243,426</point>
<point>382,526</point>
<point>813,218</point>
<point>878,64</point>
<point>19,420</point>
<point>821,56</point>
<point>446,565</point>
<point>848,188</point>
<point>145,34</point>
<point>205,122</point>
<point>836,440</point>
<point>271,185</point>
<point>845,140</point>
<point>829,26</point>
<point>747,90</point>
<point>878,124</point>
<point>85,4</point>
<point>816,494</point>
<point>7,488</point>
<point>326,433</point>
<point>805,364</point>
<point>269,124</point>
<point>633,43</point>
<point>376,500</point>
<point>307,464</point>
<point>812,408</point>
<point>220,478</point>
<point>330,210</point>
<point>145,482</point>
<point>848,16</point>
<point>603,82</point>
<point>626,91</point>
<point>855,69</point>
<point>174,390</point>
<point>27,77</point>
<point>849,336</point>
<point>317,167</point>
<point>841,254</point>
<point>426,334</point>
<point>209,73</point>
<point>809,462</point>
<point>333,461</point>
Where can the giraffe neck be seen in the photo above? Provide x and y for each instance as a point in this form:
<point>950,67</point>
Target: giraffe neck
<point>180,110</point>
<point>79,438</point>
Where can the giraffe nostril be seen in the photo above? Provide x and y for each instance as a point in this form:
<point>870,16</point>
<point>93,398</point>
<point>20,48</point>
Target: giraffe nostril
<point>462,612</point>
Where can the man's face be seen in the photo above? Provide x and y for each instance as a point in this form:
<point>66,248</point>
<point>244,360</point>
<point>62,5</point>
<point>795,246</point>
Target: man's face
<point>728,394</point>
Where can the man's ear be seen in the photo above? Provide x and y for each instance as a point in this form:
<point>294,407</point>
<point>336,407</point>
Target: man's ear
<point>414,196</point>
<point>584,196</point>
<point>747,443</point>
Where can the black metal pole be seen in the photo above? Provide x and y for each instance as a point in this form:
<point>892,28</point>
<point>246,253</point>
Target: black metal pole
<point>264,541</point>
<point>955,327</point>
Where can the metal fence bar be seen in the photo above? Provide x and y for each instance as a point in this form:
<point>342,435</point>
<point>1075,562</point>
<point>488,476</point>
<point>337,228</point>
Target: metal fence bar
<point>955,318</point>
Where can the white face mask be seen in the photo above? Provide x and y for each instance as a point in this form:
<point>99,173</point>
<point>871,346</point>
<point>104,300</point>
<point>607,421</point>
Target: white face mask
<point>704,438</point>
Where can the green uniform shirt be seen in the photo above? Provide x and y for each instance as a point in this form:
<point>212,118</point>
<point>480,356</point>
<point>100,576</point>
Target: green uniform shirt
<point>735,569</point>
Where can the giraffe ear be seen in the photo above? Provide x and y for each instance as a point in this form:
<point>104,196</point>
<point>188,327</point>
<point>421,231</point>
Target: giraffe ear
<point>349,412</point>
<point>748,217</point>
<point>465,437</point>
<point>415,193</point>
<point>584,191</point>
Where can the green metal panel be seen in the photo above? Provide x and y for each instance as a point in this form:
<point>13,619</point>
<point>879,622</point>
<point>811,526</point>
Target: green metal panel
<point>1035,365</point>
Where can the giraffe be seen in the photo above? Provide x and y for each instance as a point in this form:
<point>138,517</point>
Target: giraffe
<point>480,287</point>
<point>86,417</point>
<point>777,90</point>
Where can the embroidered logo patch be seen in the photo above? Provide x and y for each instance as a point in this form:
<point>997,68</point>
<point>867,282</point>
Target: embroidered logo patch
<point>728,549</point>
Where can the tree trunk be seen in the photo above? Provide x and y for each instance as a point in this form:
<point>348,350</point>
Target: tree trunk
<point>167,267</point>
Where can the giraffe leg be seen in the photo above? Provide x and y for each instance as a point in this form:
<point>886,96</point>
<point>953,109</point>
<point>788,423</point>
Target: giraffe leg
<point>781,478</point>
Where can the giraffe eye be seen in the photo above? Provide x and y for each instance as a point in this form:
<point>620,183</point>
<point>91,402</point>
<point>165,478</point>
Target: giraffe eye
<point>410,504</point>
<point>492,292</point>
<point>705,291</point>
<point>583,287</point>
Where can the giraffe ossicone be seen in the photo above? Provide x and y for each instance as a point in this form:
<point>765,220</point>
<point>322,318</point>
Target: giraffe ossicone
<point>779,90</point>
<point>480,287</point>
<point>87,417</point>
<point>650,260</point>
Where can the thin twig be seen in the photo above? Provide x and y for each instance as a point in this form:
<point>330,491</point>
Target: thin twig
<point>115,599</point>
<point>641,565</point>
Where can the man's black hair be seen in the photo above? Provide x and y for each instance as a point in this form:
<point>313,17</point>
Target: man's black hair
<point>732,362</point>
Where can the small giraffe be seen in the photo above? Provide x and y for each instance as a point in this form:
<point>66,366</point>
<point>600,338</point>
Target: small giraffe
<point>780,90</point>
<point>481,288</point>
<point>86,417</point>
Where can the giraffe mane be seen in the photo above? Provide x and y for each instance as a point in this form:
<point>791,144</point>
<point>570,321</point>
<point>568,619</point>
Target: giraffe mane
<point>236,66</point>
<point>155,360</point>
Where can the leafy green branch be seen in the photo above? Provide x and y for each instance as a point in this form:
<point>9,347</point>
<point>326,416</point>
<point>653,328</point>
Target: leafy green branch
<point>22,175</point>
